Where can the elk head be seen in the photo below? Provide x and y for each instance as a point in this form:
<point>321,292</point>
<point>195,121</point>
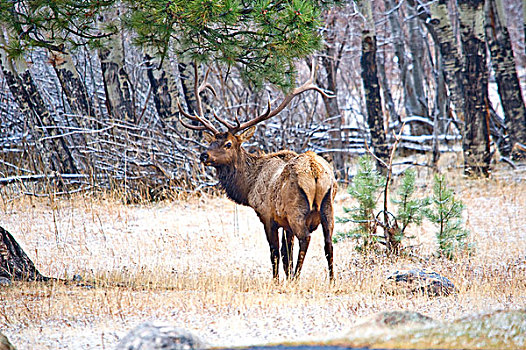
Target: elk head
<point>225,147</point>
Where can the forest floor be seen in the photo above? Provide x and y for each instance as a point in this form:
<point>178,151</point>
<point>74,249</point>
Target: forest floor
<point>203,264</point>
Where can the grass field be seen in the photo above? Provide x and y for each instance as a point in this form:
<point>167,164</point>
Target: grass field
<point>203,264</point>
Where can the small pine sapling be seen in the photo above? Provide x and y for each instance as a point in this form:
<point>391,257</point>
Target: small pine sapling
<point>365,189</point>
<point>389,222</point>
<point>447,215</point>
<point>409,210</point>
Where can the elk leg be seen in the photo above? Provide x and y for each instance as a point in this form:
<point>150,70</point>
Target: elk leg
<point>304,245</point>
<point>327,223</point>
<point>273,241</point>
<point>287,244</point>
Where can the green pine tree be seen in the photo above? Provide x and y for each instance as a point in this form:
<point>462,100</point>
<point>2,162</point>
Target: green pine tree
<point>447,214</point>
<point>262,37</point>
<point>365,189</point>
<point>409,210</point>
<point>51,24</point>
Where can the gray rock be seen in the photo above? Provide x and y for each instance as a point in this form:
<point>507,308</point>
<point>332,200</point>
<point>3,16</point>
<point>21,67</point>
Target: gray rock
<point>418,281</point>
<point>5,282</point>
<point>5,344</point>
<point>156,335</point>
<point>398,318</point>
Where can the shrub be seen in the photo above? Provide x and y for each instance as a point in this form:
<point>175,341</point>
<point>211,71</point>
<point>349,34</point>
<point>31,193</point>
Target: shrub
<point>409,210</point>
<point>447,214</point>
<point>365,189</point>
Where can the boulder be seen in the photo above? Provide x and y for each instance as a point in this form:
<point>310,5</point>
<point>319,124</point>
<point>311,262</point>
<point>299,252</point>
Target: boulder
<point>410,330</point>
<point>418,281</point>
<point>396,319</point>
<point>156,335</point>
<point>5,344</point>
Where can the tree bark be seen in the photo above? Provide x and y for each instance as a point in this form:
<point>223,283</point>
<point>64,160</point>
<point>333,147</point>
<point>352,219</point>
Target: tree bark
<point>371,86</point>
<point>442,109</point>
<point>466,76</point>
<point>117,86</point>
<point>163,85</point>
<point>78,100</point>
<point>329,61</point>
<point>389,104</point>
<point>411,72</point>
<point>476,141</point>
<point>418,50</point>
<point>14,263</point>
<point>187,81</point>
<point>72,86</point>
<point>524,23</point>
<point>442,32</point>
<point>503,64</point>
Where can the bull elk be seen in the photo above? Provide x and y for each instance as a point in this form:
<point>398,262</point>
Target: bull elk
<point>288,190</point>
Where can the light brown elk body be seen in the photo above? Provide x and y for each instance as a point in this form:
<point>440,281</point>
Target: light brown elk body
<point>288,190</point>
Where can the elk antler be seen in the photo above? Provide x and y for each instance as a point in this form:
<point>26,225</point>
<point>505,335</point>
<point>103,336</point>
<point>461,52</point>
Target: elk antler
<point>198,116</point>
<point>205,124</point>
<point>269,113</point>
<point>238,126</point>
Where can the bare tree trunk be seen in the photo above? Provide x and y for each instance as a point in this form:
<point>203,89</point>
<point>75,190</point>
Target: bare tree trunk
<point>411,72</point>
<point>398,44</point>
<point>14,263</point>
<point>117,85</point>
<point>371,86</point>
<point>163,85</point>
<point>466,75</point>
<point>442,110</point>
<point>186,76</point>
<point>79,102</point>
<point>330,58</point>
<point>388,100</point>
<point>441,29</point>
<point>72,86</point>
<point>187,82</point>
<point>418,51</point>
<point>476,142</point>
<point>63,159</point>
<point>503,64</point>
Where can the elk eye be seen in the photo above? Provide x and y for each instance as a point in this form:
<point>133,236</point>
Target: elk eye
<point>228,145</point>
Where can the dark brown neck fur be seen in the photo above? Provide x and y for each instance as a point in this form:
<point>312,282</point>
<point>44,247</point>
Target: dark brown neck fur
<point>238,178</point>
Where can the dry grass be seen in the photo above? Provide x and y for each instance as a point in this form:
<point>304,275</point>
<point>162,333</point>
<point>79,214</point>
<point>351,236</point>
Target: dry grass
<point>203,265</point>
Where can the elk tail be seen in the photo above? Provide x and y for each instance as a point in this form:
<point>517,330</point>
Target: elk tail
<point>315,186</point>
<point>307,187</point>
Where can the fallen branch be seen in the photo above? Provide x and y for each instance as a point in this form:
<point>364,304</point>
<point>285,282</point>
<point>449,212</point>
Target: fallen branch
<point>39,177</point>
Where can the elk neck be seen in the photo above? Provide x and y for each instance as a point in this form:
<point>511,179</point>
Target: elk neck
<point>240,176</point>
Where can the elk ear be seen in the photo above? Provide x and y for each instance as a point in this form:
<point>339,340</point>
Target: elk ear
<point>247,134</point>
<point>208,137</point>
